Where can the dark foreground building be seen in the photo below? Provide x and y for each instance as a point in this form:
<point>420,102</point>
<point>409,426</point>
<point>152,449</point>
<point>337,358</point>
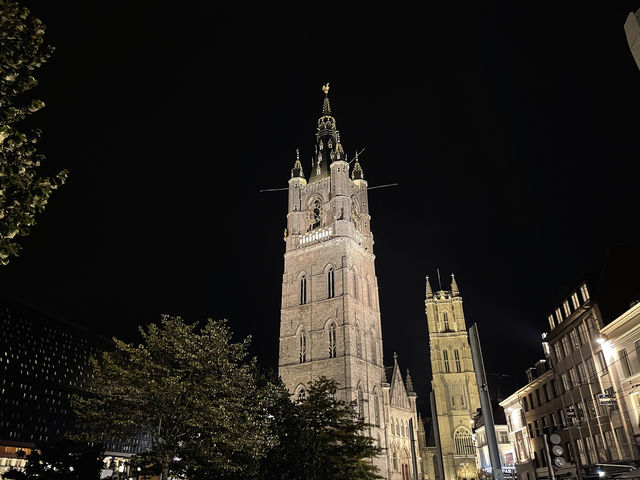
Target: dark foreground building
<point>43,362</point>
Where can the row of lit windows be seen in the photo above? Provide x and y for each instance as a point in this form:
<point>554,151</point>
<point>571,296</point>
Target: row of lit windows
<point>567,307</point>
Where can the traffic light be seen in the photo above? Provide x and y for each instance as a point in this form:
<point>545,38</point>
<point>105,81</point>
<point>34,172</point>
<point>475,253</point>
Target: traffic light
<point>555,450</point>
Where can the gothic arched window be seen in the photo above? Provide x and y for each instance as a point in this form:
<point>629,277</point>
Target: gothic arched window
<point>445,357</point>
<point>463,441</point>
<point>332,340</point>
<point>331,291</point>
<point>358,342</point>
<point>303,289</point>
<point>302,394</point>
<point>397,427</point>
<point>394,455</point>
<point>376,408</point>
<point>360,402</point>
<point>456,356</point>
<point>369,297</point>
<point>445,321</point>
<point>303,346</point>
<point>402,427</point>
<point>316,214</point>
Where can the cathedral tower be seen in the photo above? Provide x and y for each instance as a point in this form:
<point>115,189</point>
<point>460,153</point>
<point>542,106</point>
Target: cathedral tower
<point>330,315</point>
<point>453,380</point>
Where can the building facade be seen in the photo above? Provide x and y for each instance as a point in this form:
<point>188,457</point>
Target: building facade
<point>505,449</point>
<point>621,347</point>
<point>594,423</point>
<point>532,412</point>
<point>518,435</point>
<point>453,380</point>
<point>330,313</point>
<point>43,362</point>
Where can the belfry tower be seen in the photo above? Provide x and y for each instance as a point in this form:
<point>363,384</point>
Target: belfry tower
<point>453,380</point>
<point>330,315</point>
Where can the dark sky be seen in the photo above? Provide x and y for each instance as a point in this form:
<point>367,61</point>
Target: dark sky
<point>511,128</point>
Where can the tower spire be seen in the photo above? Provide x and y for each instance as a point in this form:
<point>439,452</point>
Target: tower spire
<point>409,383</point>
<point>296,171</point>
<point>454,286</point>
<point>326,108</point>
<point>357,173</point>
<point>429,291</point>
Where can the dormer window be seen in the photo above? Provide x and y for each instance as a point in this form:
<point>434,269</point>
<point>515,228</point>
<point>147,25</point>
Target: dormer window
<point>574,300</point>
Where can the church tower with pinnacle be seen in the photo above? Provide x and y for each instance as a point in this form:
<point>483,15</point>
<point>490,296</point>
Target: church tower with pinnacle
<point>453,380</point>
<point>330,313</point>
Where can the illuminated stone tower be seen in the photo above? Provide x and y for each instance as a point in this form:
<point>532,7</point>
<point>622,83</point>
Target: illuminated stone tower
<point>330,314</point>
<point>454,381</point>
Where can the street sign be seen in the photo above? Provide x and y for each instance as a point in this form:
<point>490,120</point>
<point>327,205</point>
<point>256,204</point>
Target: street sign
<point>606,399</point>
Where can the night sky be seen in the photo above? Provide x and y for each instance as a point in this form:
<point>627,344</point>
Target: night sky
<point>511,128</point>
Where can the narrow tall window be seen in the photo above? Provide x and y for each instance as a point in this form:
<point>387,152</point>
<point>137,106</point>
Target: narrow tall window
<point>332,340</point>
<point>558,315</point>
<point>552,323</point>
<point>303,290</point>
<point>567,310</point>
<point>331,283</point>
<point>584,292</point>
<point>360,402</point>
<point>445,321</point>
<point>624,362</point>
<point>303,346</point>
<point>574,300</point>
<point>358,342</point>
<point>456,355</point>
<point>369,295</point>
<point>445,357</point>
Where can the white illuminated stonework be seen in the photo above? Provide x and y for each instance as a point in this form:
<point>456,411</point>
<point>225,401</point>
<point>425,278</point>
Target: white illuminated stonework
<point>330,312</point>
<point>453,381</point>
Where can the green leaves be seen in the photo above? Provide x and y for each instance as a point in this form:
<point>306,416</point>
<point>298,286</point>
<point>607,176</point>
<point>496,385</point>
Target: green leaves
<point>191,388</point>
<point>23,194</point>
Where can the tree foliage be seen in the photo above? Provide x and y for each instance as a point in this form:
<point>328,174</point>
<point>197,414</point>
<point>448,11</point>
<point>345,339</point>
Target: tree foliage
<point>61,460</point>
<point>191,389</point>
<point>23,194</point>
<point>319,438</point>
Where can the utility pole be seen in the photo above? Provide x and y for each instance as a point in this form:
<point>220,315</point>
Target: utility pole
<point>436,436</point>
<point>485,402</point>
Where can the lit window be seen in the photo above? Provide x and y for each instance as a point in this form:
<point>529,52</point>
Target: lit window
<point>574,300</point>
<point>584,292</point>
